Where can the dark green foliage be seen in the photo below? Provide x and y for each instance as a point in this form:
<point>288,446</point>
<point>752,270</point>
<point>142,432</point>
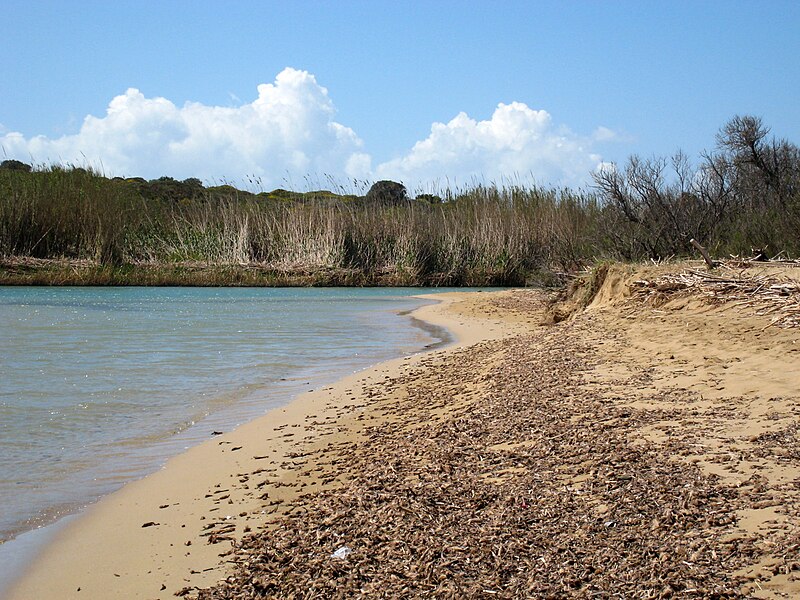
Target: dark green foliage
<point>193,183</point>
<point>15,165</point>
<point>167,188</point>
<point>429,198</point>
<point>387,192</point>
<point>281,194</point>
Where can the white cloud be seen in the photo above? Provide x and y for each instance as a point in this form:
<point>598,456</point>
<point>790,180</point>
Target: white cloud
<point>517,142</point>
<point>604,134</point>
<point>287,136</point>
<point>288,131</point>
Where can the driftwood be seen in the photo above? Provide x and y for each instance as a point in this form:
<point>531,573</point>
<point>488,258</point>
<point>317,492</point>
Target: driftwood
<point>759,256</point>
<point>778,298</point>
<point>711,263</point>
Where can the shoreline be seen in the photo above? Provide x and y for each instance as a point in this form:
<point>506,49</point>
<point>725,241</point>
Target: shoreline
<point>28,271</point>
<point>184,490</point>
<point>643,444</point>
<point>638,438</point>
<point>148,454</point>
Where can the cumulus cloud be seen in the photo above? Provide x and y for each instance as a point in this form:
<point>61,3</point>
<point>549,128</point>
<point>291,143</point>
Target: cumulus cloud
<point>288,131</point>
<point>517,142</point>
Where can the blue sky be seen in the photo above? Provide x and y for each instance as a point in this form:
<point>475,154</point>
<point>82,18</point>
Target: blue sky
<point>535,90</point>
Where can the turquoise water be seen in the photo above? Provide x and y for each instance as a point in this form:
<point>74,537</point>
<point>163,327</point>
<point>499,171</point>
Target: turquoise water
<point>99,386</point>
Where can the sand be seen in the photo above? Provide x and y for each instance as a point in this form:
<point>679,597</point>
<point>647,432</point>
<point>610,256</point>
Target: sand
<point>630,448</point>
<point>151,538</point>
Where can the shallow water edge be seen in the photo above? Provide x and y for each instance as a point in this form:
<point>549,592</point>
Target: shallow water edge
<point>16,553</point>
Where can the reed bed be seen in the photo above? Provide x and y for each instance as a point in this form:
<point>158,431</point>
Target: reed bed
<point>484,235</point>
<point>167,232</point>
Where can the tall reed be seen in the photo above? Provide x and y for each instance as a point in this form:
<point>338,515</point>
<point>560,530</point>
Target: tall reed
<point>506,234</point>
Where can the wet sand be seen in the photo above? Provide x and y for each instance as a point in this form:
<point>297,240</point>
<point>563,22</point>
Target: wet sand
<point>631,448</point>
<point>160,534</point>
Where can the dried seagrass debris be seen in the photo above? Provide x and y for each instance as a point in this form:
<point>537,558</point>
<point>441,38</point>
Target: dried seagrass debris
<point>531,488</point>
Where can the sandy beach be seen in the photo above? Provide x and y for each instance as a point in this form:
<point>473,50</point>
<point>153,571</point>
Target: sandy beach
<point>638,438</point>
<point>151,538</point>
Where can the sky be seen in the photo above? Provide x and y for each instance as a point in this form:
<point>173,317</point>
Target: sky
<point>436,93</point>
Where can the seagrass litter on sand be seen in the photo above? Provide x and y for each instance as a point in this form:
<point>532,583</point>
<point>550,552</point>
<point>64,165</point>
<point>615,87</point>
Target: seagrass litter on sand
<point>505,474</point>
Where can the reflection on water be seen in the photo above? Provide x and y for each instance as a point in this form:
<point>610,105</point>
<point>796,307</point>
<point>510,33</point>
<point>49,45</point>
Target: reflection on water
<point>100,385</point>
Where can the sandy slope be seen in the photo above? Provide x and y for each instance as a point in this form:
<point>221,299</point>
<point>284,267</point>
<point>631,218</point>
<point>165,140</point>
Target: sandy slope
<point>628,451</point>
<point>723,389</point>
<point>647,450</point>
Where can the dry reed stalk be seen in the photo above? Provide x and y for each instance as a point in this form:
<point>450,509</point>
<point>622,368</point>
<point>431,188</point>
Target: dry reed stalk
<point>762,294</point>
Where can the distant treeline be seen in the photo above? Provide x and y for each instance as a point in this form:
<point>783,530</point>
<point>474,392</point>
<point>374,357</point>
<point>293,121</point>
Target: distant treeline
<point>743,195</point>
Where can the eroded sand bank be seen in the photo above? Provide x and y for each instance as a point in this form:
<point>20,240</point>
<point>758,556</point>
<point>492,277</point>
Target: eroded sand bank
<point>637,447</point>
